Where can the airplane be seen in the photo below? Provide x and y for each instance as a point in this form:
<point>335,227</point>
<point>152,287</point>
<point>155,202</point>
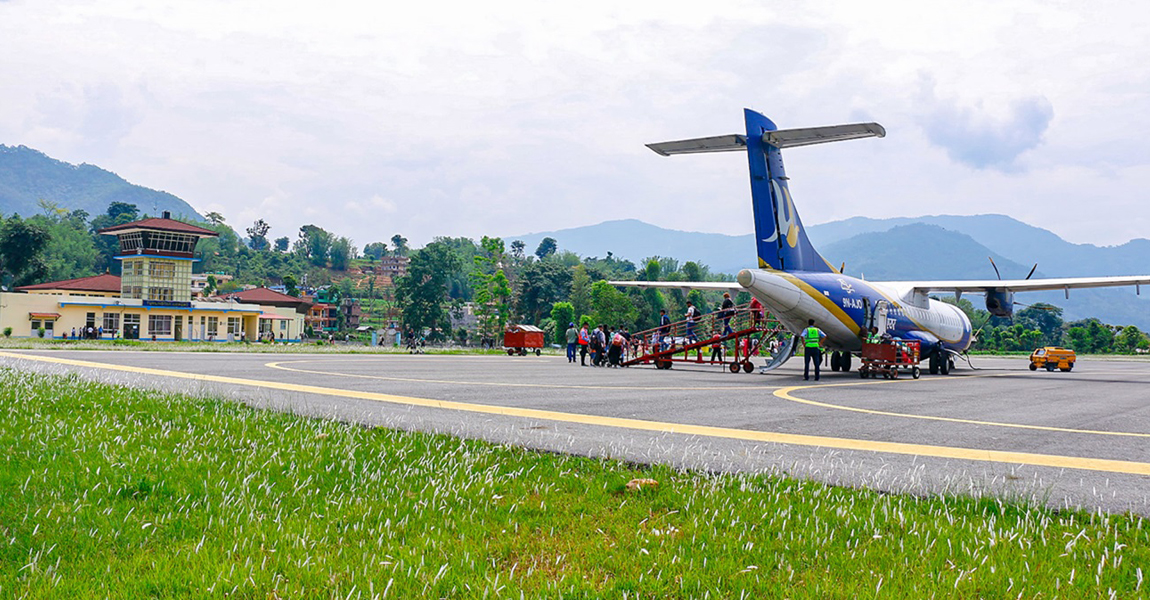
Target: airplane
<point>796,283</point>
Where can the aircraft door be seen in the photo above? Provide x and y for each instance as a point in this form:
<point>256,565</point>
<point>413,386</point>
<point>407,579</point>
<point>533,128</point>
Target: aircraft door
<point>880,321</point>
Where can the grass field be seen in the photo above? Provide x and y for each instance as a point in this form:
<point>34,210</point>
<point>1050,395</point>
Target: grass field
<point>111,492</point>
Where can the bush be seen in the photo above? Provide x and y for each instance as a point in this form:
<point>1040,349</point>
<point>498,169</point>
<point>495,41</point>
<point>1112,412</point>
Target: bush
<point>7,332</point>
<point>40,332</point>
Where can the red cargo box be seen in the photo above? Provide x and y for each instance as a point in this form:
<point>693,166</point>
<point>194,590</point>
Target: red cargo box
<point>519,338</point>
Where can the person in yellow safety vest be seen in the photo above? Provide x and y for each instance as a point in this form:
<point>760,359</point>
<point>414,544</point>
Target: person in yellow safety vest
<point>812,342</point>
<point>873,337</point>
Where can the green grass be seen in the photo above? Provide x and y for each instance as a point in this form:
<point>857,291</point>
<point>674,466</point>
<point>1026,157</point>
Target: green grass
<point>113,492</point>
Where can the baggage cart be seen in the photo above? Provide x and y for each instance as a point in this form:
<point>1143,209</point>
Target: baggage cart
<point>888,357</point>
<point>520,339</point>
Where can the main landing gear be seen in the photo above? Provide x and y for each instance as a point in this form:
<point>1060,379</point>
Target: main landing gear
<point>840,361</point>
<point>940,362</point>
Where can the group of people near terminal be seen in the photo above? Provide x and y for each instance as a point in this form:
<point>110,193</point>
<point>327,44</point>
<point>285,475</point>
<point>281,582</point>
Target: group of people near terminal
<point>88,333</point>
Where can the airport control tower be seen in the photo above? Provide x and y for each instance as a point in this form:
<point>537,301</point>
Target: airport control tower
<point>156,259</point>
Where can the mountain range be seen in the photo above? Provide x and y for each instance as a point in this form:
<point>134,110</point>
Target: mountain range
<point>904,248</point>
<point>28,176</point>
<point>929,247</point>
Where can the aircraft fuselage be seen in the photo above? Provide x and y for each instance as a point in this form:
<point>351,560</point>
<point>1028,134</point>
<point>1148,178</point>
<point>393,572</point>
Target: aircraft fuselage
<point>843,306</point>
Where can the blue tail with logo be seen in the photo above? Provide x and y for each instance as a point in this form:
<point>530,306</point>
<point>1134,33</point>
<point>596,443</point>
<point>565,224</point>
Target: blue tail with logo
<point>780,238</point>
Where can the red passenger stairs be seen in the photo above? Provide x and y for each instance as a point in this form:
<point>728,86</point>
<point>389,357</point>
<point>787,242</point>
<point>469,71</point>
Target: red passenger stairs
<point>739,335</point>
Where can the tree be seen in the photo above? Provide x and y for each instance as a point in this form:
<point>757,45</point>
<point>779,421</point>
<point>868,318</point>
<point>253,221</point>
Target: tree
<point>214,218</point>
<point>122,212</point>
<point>1078,339</point>
<point>281,244</point>
<point>71,249</point>
<point>493,304</point>
<point>422,293</point>
<point>562,313</point>
<point>610,306</point>
<point>341,253</point>
<point>492,288</point>
<point>580,296</point>
<point>375,250</point>
<point>399,244</point>
<point>315,244</point>
<point>290,285</point>
<point>346,288</point>
<point>118,213</point>
<point>1046,318</point>
<point>22,244</point>
<point>540,284</point>
<point>693,271</point>
<point>1129,339</point>
<point>546,248</point>
<point>258,235</point>
<point>211,287</point>
<point>517,249</point>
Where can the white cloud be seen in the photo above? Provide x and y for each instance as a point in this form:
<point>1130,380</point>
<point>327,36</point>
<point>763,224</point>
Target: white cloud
<point>465,119</point>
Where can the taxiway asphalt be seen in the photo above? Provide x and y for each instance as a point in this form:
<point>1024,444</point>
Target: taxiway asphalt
<point>1062,439</point>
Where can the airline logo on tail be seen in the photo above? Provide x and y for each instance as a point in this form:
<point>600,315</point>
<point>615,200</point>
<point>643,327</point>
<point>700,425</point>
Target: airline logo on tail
<point>785,216</point>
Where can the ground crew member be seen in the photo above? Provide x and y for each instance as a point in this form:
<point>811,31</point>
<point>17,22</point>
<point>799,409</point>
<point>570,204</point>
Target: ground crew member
<point>812,342</point>
<point>873,337</point>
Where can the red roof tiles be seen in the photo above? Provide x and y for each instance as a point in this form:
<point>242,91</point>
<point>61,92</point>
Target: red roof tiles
<point>266,296</point>
<point>97,283</point>
<point>162,225</point>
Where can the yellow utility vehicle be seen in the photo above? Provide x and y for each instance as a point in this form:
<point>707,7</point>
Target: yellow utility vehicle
<point>1052,357</point>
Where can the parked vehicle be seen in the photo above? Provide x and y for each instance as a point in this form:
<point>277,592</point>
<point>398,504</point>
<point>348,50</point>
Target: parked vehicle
<point>1052,357</point>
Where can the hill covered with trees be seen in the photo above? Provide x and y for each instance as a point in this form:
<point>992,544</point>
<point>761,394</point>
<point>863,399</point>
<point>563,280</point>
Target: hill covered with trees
<point>28,176</point>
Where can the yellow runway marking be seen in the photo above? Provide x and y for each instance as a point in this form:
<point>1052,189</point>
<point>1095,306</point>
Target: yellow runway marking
<point>993,456</point>
<point>784,393</point>
<point>279,365</point>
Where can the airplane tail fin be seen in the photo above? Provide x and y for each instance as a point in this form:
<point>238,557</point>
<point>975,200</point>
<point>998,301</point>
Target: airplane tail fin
<point>780,237</point>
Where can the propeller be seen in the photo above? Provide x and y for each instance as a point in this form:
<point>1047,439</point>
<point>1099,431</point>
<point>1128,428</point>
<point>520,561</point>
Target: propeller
<point>999,275</point>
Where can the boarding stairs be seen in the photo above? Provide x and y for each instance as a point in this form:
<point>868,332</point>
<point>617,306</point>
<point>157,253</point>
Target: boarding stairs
<point>741,334</point>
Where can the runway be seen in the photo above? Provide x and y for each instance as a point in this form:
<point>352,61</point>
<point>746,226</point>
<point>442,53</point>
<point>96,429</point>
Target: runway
<point>1062,439</point>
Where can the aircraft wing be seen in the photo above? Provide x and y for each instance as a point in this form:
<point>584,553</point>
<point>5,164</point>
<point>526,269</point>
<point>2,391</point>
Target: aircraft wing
<point>1023,285</point>
<point>731,286</point>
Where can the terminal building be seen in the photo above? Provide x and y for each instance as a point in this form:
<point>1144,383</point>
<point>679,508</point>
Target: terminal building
<point>152,300</point>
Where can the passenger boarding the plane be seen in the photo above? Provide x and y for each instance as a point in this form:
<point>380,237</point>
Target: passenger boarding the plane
<point>664,328</point>
<point>756,311</point>
<point>692,315</point>
<point>728,311</point>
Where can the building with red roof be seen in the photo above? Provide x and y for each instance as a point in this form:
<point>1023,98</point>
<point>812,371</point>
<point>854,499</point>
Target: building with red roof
<point>152,299</point>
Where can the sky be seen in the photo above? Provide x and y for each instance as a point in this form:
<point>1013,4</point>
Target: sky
<point>470,119</point>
